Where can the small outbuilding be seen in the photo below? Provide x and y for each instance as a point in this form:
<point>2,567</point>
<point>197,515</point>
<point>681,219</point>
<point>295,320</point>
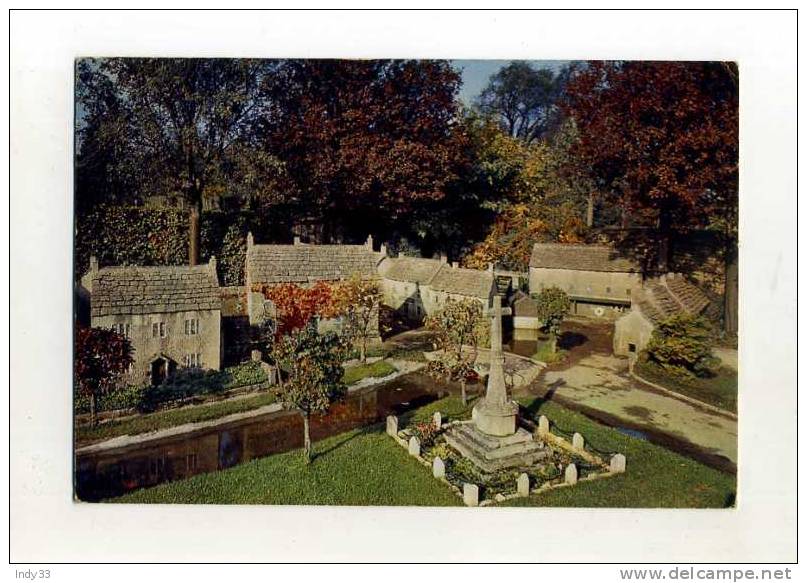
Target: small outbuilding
<point>661,298</point>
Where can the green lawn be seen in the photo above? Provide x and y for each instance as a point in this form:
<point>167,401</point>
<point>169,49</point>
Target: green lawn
<point>719,390</point>
<point>170,418</point>
<point>360,467</point>
<point>379,368</point>
<point>655,476</point>
<point>365,467</point>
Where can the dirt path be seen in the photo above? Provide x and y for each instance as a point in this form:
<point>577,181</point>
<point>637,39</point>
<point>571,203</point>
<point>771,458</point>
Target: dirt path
<point>599,382</point>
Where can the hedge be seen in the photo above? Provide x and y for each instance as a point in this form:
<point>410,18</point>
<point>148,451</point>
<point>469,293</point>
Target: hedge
<point>122,235</point>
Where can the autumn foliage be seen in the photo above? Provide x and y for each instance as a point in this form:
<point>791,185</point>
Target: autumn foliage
<point>100,357</point>
<point>296,305</point>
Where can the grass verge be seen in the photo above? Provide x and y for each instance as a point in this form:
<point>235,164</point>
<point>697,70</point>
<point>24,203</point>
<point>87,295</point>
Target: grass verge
<point>355,468</point>
<point>379,368</point>
<point>719,390</point>
<point>361,467</point>
<point>545,354</point>
<point>655,477</point>
<point>165,419</point>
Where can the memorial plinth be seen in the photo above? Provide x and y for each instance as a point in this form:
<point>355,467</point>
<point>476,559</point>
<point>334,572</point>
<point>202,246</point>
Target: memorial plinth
<point>493,440</point>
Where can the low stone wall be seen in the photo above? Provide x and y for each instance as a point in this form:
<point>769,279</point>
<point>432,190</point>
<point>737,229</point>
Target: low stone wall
<point>470,492</point>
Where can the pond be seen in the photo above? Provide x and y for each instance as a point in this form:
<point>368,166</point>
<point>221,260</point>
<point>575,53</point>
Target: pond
<point>114,472</point>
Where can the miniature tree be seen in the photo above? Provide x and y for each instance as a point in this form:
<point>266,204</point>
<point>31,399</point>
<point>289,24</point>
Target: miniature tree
<point>101,356</point>
<point>682,345</point>
<point>313,365</point>
<point>553,306</point>
<point>297,305</point>
<point>357,300</point>
<point>458,324</point>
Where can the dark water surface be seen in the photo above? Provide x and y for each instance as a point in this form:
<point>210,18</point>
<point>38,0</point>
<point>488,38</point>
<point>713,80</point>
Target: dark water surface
<point>115,472</point>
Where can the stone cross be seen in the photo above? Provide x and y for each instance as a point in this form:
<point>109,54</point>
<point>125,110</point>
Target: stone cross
<point>470,494</point>
<point>437,418</point>
<point>414,446</point>
<point>571,474</point>
<point>496,414</point>
<point>618,464</point>
<point>392,425</point>
<point>523,485</point>
<point>438,468</point>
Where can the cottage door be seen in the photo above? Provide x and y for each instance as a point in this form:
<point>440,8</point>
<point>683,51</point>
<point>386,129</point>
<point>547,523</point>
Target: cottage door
<point>159,371</point>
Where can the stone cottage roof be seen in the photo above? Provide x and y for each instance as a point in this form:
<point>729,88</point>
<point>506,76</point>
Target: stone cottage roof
<point>463,282</point>
<point>524,306</point>
<point>410,269</point>
<point>148,290</point>
<point>303,263</point>
<point>670,295</point>
<point>580,258</point>
<point>438,275</point>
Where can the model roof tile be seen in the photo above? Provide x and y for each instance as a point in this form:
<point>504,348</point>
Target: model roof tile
<point>304,263</point>
<point>581,258</point>
<point>671,295</point>
<point>146,290</point>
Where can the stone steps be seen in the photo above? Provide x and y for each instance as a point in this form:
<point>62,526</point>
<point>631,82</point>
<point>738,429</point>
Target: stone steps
<point>490,453</point>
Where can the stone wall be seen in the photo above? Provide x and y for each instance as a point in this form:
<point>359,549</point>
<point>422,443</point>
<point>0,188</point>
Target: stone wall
<point>631,329</point>
<point>175,345</point>
<point>598,288</point>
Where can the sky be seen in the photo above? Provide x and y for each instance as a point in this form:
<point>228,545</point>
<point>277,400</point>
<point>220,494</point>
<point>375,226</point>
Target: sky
<point>475,74</point>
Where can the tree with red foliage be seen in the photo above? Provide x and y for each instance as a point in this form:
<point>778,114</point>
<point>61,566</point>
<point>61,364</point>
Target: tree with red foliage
<point>296,305</point>
<point>661,138</point>
<point>364,141</point>
<point>101,356</point>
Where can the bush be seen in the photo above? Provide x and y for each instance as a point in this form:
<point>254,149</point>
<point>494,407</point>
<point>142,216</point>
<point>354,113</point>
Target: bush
<point>426,433</point>
<point>124,398</point>
<point>682,345</point>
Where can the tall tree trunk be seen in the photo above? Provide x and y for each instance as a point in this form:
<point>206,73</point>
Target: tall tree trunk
<point>364,349</point>
<point>93,418</point>
<point>664,230</point>
<point>590,210</point>
<point>306,439</point>
<point>553,341</point>
<point>194,233</point>
<point>731,293</point>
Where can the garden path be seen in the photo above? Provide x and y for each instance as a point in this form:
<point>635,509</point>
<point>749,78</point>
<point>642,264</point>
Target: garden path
<point>598,381</point>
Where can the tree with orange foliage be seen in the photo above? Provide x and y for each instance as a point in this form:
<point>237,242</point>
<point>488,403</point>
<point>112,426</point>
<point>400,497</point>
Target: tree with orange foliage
<point>296,305</point>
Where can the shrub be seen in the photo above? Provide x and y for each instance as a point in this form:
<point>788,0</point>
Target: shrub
<point>682,345</point>
<point>426,433</point>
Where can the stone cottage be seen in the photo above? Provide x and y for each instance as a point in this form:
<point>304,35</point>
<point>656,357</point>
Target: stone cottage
<point>599,281</point>
<point>660,299</point>
<point>304,264</point>
<point>171,315</point>
<point>417,287</point>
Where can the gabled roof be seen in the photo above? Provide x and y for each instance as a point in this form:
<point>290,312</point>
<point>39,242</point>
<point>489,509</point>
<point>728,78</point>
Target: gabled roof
<point>670,295</point>
<point>410,269</point>
<point>148,290</point>
<point>580,258</point>
<point>303,263</point>
<point>463,282</point>
<point>438,275</point>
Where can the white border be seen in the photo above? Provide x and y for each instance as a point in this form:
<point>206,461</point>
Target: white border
<point>47,526</point>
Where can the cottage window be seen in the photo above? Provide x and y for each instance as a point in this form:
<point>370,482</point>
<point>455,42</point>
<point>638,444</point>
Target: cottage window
<point>193,360</point>
<point>631,347</point>
<point>122,329</point>
<point>608,289</point>
<point>627,292</point>
<point>191,327</point>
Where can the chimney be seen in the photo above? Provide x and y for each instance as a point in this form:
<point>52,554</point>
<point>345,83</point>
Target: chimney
<point>296,240</point>
<point>93,264</point>
<point>490,268</point>
<point>369,242</point>
<point>454,264</point>
<point>250,240</point>
<point>443,258</point>
<point>383,249</point>
<point>211,268</point>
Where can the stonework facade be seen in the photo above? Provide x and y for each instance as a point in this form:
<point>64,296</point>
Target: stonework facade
<point>661,298</point>
<point>417,287</point>
<point>599,281</point>
<point>171,315</point>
